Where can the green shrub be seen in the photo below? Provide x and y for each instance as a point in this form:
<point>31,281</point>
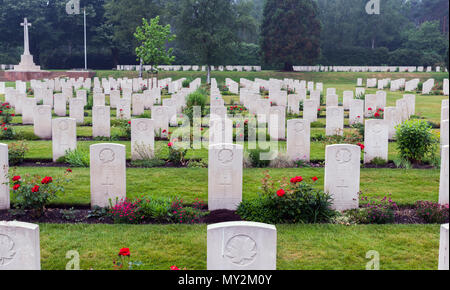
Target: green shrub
<point>76,158</point>
<point>255,156</point>
<point>16,152</point>
<point>415,141</point>
<point>298,202</point>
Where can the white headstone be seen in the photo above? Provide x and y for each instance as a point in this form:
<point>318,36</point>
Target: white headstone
<point>310,110</point>
<point>160,115</point>
<point>356,114</point>
<point>27,111</point>
<point>76,110</point>
<point>101,121</point>
<point>225,176</point>
<point>443,249</point>
<point>60,105</point>
<point>277,123</point>
<point>19,246</point>
<point>43,121</point>
<point>444,180</point>
<point>298,140</point>
<point>142,139</point>
<point>123,110</point>
<point>4,186</point>
<point>392,119</point>
<point>241,246</point>
<point>64,136</point>
<point>376,142</point>
<point>335,121</point>
<point>108,174</point>
<point>342,175</point>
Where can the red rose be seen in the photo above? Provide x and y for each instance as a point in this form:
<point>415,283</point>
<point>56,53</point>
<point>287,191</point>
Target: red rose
<point>315,178</point>
<point>281,192</point>
<point>35,188</point>
<point>16,187</point>
<point>362,146</point>
<point>69,170</point>
<point>377,115</point>
<point>47,180</point>
<point>170,144</point>
<point>124,252</point>
<point>129,122</point>
<point>370,109</point>
<point>164,131</point>
<point>174,268</point>
<point>16,178</point>
<point>12,115</point>
<point>297,179</point>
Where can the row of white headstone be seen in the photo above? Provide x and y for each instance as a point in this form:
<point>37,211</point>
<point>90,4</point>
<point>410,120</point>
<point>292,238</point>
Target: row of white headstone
<point>366,69</point>
<point>247,68</point>
<point>235,246</point>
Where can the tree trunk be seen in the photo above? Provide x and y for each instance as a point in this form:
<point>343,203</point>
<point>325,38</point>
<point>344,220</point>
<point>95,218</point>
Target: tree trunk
<point>140,68</point>
<point>115,56</point>
<point>288,67</point>
<point>208,74</point>
<point>151,76</point>
<point>373,43</point>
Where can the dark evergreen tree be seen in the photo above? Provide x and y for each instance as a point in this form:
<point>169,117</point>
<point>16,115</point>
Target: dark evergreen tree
<point>290,33</point>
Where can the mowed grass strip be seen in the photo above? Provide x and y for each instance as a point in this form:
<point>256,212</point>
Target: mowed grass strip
<point>42,150</point>
<point>299,247</point>
<point>405,186</point>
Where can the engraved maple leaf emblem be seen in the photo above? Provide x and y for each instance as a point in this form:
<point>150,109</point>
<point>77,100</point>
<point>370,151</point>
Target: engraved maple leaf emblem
<point>241,250</point>
<point>6,249</point>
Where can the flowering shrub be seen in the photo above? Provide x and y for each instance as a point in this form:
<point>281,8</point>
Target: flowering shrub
<point>375,212</point>
<point>125,212</point>
<point>379,114</point>
<point>236,110</point>
<point>6,132</point>
<point>177,155</point>
<point>6,114</point>
<point>288,202</point>
<point>432,213</point>
<point>16,152</point>
<point>35,193</point>
<point>186,215</point>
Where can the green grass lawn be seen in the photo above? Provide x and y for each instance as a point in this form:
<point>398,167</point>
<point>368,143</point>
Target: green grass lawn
<point>406,186</point>
<point>42,150</point>
<point>300,247</point>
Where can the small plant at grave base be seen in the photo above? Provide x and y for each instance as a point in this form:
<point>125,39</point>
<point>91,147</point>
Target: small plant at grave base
<point>432,213</point>
<point>76,158</point>
<point>177,155</point>
<point>16,152</point>
<point>186,215</point>
<point>257,158</point>
<point>378,161</point>
<point>360,128</point>
<point>319,112</point>
<point>125,212</point>
<point>236,110</point>
<point>7,132</point>
<point>124,262</point>
<point>416,141</point>
<point>375,212</point>
<point>294,201</point>
<point>379,114</point>
<point>6,114</point>
<point>35,193</point>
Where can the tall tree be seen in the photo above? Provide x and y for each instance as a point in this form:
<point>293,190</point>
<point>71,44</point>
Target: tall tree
<point>207,28</point>
<point>290,33</point>
<point>153,38</point>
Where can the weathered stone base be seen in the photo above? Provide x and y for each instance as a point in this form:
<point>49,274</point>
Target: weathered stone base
<point>11,76</point>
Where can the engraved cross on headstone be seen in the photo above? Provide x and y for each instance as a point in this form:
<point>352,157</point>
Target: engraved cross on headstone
<point>341,187</point>
<point>108,184</point>
<point>25,24</point>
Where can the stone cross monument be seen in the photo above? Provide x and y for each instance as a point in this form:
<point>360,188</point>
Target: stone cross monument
<point>26,62</point>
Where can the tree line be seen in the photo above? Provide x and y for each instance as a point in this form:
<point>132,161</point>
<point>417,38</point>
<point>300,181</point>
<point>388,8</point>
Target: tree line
<point>273,33</point>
